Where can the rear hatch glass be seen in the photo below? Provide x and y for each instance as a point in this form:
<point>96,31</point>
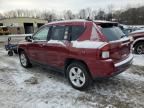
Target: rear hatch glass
<point>112,32</point>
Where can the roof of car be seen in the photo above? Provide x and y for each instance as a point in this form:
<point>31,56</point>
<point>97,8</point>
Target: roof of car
<point>138,31</point>
<point>70,21</point>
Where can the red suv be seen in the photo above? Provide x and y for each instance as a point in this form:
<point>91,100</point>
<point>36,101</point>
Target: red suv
<point>80,49</point>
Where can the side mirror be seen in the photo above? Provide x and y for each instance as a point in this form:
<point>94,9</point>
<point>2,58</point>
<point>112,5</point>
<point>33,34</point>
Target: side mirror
<point>28,38</point>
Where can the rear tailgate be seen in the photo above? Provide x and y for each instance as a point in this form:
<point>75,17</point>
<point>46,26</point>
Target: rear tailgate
<point>119,43</point>
<point>120,49</point>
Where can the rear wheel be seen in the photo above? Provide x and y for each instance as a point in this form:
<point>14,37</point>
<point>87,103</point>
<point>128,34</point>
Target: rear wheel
<point>139,48</point>
<point>24,60</point>
<point>15,51</point>
<point>78,76</point>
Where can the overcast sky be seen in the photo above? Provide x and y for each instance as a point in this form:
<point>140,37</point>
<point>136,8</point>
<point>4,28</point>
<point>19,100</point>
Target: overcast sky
<point>60,5</point>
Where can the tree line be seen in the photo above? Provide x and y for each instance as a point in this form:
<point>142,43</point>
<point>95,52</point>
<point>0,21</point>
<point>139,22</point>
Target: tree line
<point>131,16</point>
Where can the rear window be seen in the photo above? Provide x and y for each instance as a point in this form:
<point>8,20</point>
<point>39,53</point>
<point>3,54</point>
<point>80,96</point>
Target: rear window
<point>112,33</point>
<point>76,31</point>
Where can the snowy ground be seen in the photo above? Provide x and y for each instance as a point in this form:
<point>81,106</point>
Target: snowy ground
<point>53,91</point>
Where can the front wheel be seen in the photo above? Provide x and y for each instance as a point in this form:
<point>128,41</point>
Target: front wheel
<point>139,48</point>
<point>78,76</point>
<point>24,60</point>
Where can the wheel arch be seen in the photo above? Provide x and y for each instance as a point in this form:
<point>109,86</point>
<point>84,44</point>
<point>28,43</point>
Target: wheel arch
<point>137,41</point>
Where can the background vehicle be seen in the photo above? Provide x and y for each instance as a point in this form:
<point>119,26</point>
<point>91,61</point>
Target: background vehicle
<point>126,29</point>
<point>138,43</point>
<point>80,49</point>
<point>11,48</point>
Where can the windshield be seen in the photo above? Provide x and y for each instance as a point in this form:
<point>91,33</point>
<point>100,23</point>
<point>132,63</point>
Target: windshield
<point>113,33</point>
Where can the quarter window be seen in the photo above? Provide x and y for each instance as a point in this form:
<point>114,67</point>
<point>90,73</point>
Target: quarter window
<point>42,34</point>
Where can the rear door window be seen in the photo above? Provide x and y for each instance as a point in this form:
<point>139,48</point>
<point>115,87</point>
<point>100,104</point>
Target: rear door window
<point>76,31</point>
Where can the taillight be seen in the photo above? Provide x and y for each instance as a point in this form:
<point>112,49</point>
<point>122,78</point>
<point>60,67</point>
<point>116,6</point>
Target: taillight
<point>105,54</point>
<point>105,51</point>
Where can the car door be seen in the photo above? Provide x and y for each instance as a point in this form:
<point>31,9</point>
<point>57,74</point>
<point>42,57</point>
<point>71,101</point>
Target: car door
<point>36,48</point>
<point>57,46</point>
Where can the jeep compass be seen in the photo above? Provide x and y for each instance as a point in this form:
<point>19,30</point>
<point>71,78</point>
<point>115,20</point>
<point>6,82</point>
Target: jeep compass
<point>82,50</point>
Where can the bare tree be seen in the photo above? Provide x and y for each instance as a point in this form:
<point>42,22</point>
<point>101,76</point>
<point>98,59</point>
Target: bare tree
<point>1,16</point>
<point>83,14</point>
<point>49,16</point>
<point>101,15</point>
<point>94,14</point>
<point>116,15</point>
<point>128,15</point>
<point>89,12</point>
<point>68,14</point>
<point>110,12</point>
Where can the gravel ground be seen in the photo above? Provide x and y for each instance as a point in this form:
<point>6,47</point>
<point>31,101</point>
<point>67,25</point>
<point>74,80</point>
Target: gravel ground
<point>41,88</point>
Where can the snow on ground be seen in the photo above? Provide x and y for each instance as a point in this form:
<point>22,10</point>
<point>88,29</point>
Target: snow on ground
<point>53,91</point>
<point>138,60</point>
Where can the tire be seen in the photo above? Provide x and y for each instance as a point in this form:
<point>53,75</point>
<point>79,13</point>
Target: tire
<point>139,48</point>
<point>78,76</point>
<point>24,60</point>
<point>15,51</point>
<point>10,53</point>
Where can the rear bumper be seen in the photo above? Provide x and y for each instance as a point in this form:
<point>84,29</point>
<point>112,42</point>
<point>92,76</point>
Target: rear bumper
<point>106,68</point>
<point>129,59</point>
<point>123,65</point>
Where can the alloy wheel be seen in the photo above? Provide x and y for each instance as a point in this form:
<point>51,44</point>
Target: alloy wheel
<point>140,49</point>
<point>77,77</point>
<point>23,59</point>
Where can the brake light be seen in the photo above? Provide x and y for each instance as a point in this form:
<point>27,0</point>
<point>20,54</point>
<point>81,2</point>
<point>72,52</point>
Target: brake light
<point>105,53</point>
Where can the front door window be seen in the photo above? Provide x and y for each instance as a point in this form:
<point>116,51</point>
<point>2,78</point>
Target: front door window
<point>41,35</point>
